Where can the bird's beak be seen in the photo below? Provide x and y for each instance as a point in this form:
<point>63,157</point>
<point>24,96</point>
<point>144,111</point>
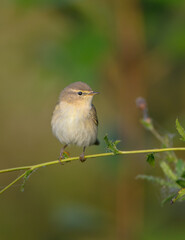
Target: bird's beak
<point>92,93</point>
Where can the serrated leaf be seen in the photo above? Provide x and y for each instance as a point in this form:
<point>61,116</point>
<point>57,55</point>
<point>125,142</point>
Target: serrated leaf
<point>117,141</point>
<point>180,195</point>
<point>157,180</point>
<point>180,130</point>
<point>167,171</point>
<point>111,146</point>
<point>151,159</point>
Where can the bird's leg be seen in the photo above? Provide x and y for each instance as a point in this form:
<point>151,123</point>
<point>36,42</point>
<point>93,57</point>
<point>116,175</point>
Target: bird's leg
<point>82,156</point>
<point>61,153</point>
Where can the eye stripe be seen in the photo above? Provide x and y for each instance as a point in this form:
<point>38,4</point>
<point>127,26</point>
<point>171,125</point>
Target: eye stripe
<point>83,91</point>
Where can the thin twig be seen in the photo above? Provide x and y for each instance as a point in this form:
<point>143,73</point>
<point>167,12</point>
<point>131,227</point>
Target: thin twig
<point>15,169</point>
<point>33,167</point>
<point>13,182</point>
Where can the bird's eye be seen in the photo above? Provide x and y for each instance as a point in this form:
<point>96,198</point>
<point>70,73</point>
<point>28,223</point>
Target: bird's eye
<point>79,93</point>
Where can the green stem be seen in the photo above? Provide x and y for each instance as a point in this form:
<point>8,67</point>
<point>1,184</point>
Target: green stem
<point>161,139</point>
<point>15,169</point>
<point>157,150</point>
<point>16,180</point>
<point>157,135</point>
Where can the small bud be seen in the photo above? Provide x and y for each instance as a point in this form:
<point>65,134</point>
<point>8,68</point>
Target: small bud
<point>142,105</point>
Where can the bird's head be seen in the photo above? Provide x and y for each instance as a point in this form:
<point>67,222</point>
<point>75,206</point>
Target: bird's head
<point>78,93</point>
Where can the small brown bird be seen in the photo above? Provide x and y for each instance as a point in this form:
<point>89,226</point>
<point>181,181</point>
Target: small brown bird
<point>74,119</point>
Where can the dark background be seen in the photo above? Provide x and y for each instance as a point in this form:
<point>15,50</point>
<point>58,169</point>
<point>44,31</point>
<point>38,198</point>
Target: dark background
<point>121,48</point>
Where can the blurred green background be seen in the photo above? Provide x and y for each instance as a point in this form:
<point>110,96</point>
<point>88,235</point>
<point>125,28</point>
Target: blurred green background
<point>121,48</point>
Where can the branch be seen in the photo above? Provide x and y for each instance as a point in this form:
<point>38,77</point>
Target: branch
<point>34,167</point>
<point>16,180</point>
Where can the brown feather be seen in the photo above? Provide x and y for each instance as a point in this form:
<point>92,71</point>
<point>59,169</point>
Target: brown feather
<point>94,115</point>
<point>95,120</point>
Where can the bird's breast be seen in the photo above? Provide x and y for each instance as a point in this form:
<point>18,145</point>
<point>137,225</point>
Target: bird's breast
<point>73,124</point>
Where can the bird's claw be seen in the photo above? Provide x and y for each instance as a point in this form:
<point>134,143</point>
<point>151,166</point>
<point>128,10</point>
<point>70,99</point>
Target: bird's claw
<point>60,160</point>
<point>82,158</point>
<point>63,155</point>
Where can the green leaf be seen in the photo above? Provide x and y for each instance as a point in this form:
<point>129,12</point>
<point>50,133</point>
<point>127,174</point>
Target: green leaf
<point>180,130</point>
<point>183,174</point>
<point>167,171</point>
<point>148,125</point>
<point>180,168</point>
<point>151,159</point>
<point>65,155</point>
<point>28,173</point>
<point>157,180</point>
<point>181,182</point>
<point>168,199</point>
<point>111,145</point>
<point>179,196</point>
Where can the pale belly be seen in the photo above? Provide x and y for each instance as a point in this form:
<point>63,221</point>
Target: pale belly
<point>74,127</point>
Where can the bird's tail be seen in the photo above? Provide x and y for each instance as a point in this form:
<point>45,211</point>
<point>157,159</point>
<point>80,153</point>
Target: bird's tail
<point>97,142</point>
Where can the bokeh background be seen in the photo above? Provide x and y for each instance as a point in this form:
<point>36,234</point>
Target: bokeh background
<point>121,48</point>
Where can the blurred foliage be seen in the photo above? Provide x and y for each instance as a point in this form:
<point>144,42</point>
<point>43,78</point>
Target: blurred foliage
<point>174,180</point>
<point>180,129</point>
<point>123,49</point>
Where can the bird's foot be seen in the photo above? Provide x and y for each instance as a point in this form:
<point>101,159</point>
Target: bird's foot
<point>63,155</point>
<point>60,160</point>
<point>82,157</point>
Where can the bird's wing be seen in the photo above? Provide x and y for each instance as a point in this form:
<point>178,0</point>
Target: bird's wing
<point>94,115</point>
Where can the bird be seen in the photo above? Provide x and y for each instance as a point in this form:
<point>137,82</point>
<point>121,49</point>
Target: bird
<point>74,120</point>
